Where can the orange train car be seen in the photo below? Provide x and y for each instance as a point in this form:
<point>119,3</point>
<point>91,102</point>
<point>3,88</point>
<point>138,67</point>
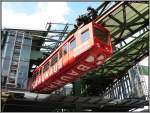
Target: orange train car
<point>84,50</point>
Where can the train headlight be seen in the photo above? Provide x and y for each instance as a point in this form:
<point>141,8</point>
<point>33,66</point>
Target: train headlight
<point>101,57</point>
<point>90,59</point>
<point>106,48</point>
<point>99,62</point>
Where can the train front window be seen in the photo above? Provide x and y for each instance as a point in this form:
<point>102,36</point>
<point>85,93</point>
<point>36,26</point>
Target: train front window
<point>72,44</point>
<point>85,36</point>
<point>103,36</point>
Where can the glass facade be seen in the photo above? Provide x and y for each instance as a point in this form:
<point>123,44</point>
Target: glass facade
<point>7,54</point>
<point>133,85</point>
<point>15,59</point>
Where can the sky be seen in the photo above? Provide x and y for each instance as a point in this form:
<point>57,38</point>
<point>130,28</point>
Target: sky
<point>35,15</point>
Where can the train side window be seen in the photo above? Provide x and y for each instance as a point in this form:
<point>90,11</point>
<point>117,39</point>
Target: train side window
<point>36,74</point>
<point>65,49</point>
<point>72,44</point>
<point>85,36</point>
<point>40,72</point>
<point>46,66</point>
<point>60,53</point>
<point>103,36</point>
<point>54,59</point>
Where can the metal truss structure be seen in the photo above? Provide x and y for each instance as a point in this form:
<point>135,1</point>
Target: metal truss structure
<point>128,24</point>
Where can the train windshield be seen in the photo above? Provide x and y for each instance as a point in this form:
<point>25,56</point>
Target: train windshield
<point>103,36</point>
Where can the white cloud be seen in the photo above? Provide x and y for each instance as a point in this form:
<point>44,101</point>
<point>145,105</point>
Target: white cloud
<point>46,12</point>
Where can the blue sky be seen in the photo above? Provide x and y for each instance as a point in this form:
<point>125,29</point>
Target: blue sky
<point>24,7</point>
<point>29,8</point>
<point>80,8</point>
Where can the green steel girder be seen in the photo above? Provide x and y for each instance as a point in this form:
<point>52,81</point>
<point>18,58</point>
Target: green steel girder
<point>129,47</point>
<point>123,23</point>
<point>115,67</point>
<point>117,54</point>
<point>125,58</point>
<point>103,7</point>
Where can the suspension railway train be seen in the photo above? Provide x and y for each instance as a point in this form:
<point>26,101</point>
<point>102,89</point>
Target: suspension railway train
<point>84,50</point>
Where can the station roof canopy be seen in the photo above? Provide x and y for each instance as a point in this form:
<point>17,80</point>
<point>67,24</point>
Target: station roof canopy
<point>128,23</point>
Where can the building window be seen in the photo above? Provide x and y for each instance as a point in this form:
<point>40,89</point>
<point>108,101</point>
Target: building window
<point>85,36</point>
<point>54,59</point>
<point>72,44</point>
<point>13,71</point>
<point>12,80</point>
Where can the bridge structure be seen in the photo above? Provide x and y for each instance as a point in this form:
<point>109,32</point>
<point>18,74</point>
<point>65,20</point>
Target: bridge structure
<point>108,88</point>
